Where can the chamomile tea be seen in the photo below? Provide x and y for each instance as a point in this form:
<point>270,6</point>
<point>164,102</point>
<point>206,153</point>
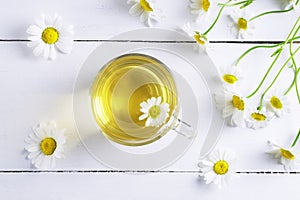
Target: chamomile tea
<point>117,94</point>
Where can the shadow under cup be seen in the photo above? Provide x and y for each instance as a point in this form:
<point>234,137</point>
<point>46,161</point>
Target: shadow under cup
<point>118,90</point>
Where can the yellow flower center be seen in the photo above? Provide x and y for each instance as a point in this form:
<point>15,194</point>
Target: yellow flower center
<point>287,154</point>
<point>154,112</point>
<point>50,35</point>
<point>221,167</point>
<point>199,39</point>
<point>242,23</point>
<point>258,116</point>
<point>48,146</point>
<point>145,5</point>
<point>276,103</point>
<point>229,78</point>
<point>205,5</point>
<point>238,103</point>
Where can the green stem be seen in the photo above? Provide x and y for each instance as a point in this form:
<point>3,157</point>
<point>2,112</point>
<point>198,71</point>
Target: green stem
<point>277,75</point>
<point>295,66</point>
<point>263,46</point>
<point>245,3</point>
<point>274,61</point>
<point>233,4</point>
<point>265,76</point>
<point>253,48</point>
<point>296,85</point>
<point>293,82</point>
<point>217,18</point>
<point>270,12</point>
<point>296,139</point>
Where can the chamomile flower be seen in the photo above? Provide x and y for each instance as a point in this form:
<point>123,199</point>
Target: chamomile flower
<point>277,102</point>
<point>154,111</point>
<point>218,168</point>
<point>258,118</point>
<point>146,9</point>
<point>49,36</point>
<point>202,8</point>
<point>230,75</point>
<point>286,156</point>
<point>202,43</point>
<point>232,105</point>
<point>45,145</point>
<point>242,26</point>
<point>288,4</point>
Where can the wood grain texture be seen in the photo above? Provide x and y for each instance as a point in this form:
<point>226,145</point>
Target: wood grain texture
<point>34,90</point>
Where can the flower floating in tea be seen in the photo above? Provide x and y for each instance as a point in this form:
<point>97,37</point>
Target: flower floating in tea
<point>49,35</point>
<point>218,168</point>
<point>154,111</point>
<point>286,156</point>
<point>45,144</point>
<point>242,25</point>
<point>146,10</point>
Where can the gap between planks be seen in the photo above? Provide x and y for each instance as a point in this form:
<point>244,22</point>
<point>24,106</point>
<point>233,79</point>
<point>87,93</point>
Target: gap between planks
<point>137,172</point>
<point>161,41</point>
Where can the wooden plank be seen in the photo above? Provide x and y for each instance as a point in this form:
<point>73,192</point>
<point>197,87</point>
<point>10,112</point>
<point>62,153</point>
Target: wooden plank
<point>103,19</point>
<point>34,90</point>
<point>144,186</point>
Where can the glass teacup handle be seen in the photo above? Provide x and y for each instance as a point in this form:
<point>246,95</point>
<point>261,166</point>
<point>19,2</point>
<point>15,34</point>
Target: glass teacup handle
<point>183,128</point>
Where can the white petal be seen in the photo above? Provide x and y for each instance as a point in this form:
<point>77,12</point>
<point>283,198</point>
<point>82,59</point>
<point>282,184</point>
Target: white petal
<point>207,163</point>
<point>34,30</point>
<point>52,162</point>
<point>33,43</point>
<point>36,161</point>
<point>136,10</point>
<point>143,110</point>
<point>57,22</point>
<point>148,22</point>
<point>46,51</point>
<point>143,116</point>
<point>66,31</point>
<point>35,38</point>
<point>144,105</point>
<point>41,22</point>
<point>133,1</point>
<point>32,147</point>
<point>165,108</point>
<point>42,162</point>
<point>158,100</point>
<point>59,153</point>
<point>210,177</point>
<point>228,111</point>
<point>151,101</point>
<point>65,46</point>
<point>48,21</point>
<point>238,118</point>
<point>48,162</point>
<point>148,121</point>
<point>194,6</point>
<point>52,53</point>
<point>39,49</point>
<point>33,155</point>
<point>144,16</point>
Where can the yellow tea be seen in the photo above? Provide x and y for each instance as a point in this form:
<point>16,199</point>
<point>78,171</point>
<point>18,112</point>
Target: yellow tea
<point>118,90</point>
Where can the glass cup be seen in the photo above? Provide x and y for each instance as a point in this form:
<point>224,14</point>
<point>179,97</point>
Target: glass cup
<point>134,100</point>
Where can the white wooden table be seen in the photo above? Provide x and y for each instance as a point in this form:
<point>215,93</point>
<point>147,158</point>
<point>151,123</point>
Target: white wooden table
<point>34,90</point>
